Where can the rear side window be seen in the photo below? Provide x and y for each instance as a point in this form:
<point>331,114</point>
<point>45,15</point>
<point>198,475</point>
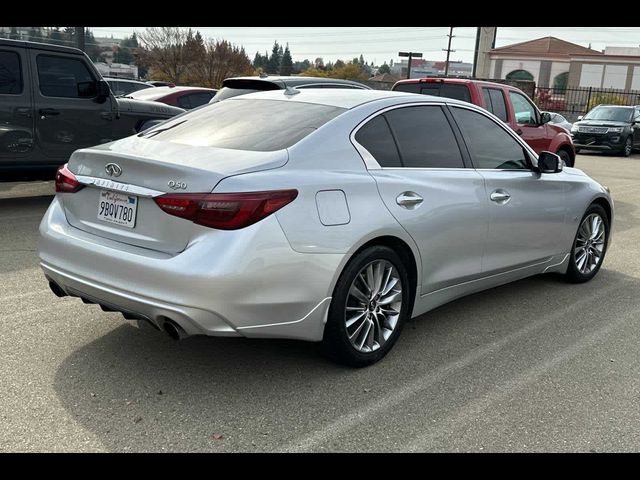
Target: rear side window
<point>194,100</point>
<point>376,137</point>
<point>425,138</point>
<point>437,89</point>
<point>490,146</point>
<point>59,76</point>
<point>10,73</point>
<point>494,99</point>
<point>257,125</point>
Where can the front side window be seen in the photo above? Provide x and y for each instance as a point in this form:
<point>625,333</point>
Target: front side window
<point>490,146</point>
<point>60,76</point>
<point>525,112</point>
<point>10,73</point>
<point>425,138</point>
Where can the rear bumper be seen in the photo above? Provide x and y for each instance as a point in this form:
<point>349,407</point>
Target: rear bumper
<point>239,283</point>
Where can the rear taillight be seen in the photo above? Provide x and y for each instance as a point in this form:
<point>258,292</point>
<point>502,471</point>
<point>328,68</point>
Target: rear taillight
<point>66,181</point>
<point>225,211</point>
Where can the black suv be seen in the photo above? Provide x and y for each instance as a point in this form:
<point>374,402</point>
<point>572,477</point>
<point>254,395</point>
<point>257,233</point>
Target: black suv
<point>233,87</point>
<point>612,128</point>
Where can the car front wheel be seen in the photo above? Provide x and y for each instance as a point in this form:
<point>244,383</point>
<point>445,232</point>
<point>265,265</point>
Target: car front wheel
<point>565,157</point>
<point>589,245</point>
<point>370,304</point>
<point>628,146</point>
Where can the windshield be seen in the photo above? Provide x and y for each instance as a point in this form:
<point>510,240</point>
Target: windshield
<point>612,114</point>
<point>256,125</point>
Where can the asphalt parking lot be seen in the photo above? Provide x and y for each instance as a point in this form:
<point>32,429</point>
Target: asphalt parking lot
<point>538,365</point>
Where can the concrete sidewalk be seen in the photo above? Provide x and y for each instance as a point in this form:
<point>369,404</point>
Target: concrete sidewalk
<point>35,188</point>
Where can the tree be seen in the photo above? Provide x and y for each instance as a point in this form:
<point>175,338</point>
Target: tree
<point>273,66</point>
<point>3,33</point>
<point>13,34</point>
<point>164,52</point>
<point>338,64</point>
<point>362,62</point>
<point>318,63</point>
<point>91,47</point>
<point>221,60</point>
<point>286,64</point>
<point>384,69</point>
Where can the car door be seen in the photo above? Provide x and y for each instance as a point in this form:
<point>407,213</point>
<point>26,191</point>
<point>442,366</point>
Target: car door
<point>426,186</point>
<point>16,107</point>
<point>527,120</point>
<point>67,117</point>
<point>527,210</point>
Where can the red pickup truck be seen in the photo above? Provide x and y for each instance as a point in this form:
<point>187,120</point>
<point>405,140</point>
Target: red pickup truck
<point>509,104</point>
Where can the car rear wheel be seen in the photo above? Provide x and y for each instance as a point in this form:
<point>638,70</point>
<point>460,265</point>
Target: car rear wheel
<point>589,246</point>
<point>370,304</point>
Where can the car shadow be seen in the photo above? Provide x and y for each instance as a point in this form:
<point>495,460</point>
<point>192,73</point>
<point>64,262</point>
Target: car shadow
<point>136,389</point>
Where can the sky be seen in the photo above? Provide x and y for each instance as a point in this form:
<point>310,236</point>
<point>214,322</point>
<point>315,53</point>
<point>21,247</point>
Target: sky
<point>382,44</point>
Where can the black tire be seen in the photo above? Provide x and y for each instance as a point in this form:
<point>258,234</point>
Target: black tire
<point>336,344</point>
<point>577,150</point>
<point>628,147</point>
<point>574,275</point>
<point>566,157</point>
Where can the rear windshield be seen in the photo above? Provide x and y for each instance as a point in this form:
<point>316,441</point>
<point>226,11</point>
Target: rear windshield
<point>438,89</point>
<point>256,125</point>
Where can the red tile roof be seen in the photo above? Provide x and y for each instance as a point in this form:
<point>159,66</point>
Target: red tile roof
<point>546,47</point>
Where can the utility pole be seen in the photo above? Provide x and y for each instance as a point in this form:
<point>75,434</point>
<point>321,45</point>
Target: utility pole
<point>448,50</point>
<point>80,38</point>
<point>410,55</point>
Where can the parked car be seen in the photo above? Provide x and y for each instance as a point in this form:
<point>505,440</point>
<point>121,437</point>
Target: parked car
<point>124,86</point>
<point>54,101</point>
<point>183,97</point>
<point>232,87</point>
<point>509,104</point>
<point>608,128</point>
<point>302,216</point>
<point>559,120</point>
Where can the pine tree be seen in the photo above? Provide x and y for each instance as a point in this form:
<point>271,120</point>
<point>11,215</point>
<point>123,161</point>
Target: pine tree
<point>14,35</point>
<point>35,34</point>
<point>286,64</point>
<point>273,66</point>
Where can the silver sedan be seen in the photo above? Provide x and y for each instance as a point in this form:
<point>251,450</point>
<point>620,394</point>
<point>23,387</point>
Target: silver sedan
<point>322,215</point>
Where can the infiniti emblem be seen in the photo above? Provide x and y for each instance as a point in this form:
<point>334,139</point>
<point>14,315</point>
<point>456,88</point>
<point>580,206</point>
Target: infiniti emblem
<point>113,169</point>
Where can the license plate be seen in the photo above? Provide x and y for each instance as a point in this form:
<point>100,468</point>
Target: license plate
<point>118,208</point>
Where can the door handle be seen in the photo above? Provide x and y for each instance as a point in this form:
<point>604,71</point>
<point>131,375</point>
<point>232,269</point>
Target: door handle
<point>48,112</point>
<point>409,200</point>
<point>500,196</point>
<point>24,111</point>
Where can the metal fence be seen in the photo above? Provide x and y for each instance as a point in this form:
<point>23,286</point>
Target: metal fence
<point>572,102</point>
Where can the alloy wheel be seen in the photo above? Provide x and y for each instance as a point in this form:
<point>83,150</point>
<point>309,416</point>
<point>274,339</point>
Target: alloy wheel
<point>373,306</point>
<point>590,242</point>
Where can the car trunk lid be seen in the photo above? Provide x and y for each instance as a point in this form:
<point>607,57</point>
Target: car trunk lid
<point>139,170</point>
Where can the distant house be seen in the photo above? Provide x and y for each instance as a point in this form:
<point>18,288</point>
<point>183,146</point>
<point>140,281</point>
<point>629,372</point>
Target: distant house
<point>546,61</point>
<point>555,63</point>
<point>382,82</point>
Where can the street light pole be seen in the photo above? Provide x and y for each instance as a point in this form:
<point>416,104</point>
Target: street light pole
<point>410,55</point>
<point>80,38</point>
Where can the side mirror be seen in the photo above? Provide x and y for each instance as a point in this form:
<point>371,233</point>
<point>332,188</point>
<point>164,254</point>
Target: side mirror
<point>580,117</point>
<point>549,163</point>
<point>545,118</point>
<point>103,91</point>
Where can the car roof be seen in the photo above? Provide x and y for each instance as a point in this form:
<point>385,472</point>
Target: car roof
<point>160,92</point>
<point>342,98</point>
<point>41,46</point>
<point>282,81</point>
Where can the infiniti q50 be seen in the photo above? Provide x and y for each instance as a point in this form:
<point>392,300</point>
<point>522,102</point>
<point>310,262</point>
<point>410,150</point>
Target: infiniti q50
<point>330,216</point>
